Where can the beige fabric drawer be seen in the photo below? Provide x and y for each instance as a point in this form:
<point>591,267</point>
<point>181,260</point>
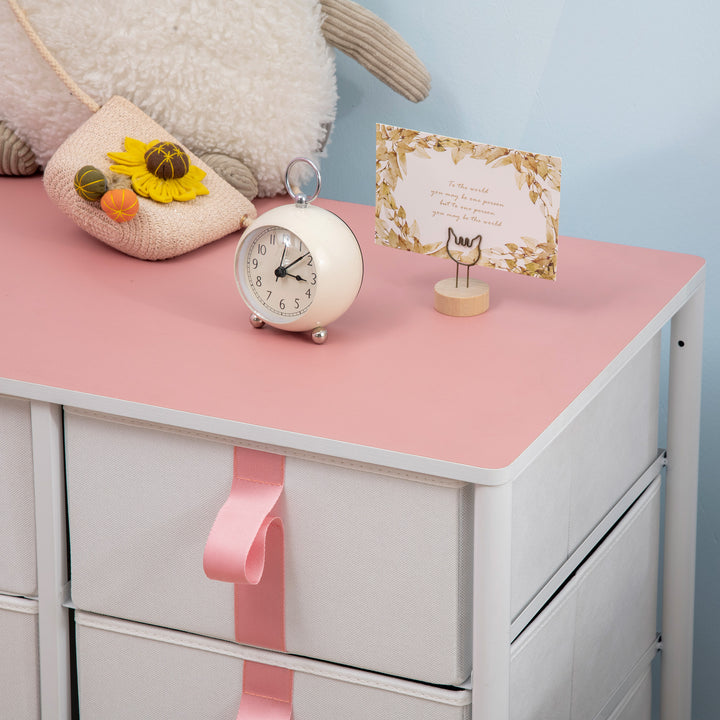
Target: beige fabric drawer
<point>637,704</point>
<point>17,499</point>
<point>19,667</point>
<point>128,671</point>
<point>582,646</point>
<point>378,562</point>
<point>567,666</point>
<point>369,558</point>
<point>561,497</point>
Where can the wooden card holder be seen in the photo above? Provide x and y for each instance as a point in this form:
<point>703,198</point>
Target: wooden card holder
<point>463,299</point>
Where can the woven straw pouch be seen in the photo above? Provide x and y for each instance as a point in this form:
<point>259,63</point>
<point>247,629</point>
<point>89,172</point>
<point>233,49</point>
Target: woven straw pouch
<point>159,230</point>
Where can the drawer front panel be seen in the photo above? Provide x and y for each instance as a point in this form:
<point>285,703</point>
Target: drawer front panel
<point>571,659</point>
<point>578,478</point>
<point>19,675</point>
<point>372,563</point>
<point>128,671</point>
<point>17,499</point>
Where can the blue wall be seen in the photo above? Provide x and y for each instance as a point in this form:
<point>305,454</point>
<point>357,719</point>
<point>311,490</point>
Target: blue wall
<point>627,92</point>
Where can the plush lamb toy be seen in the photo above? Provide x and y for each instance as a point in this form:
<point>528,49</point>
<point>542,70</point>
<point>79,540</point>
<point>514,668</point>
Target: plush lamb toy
<point>246,85</point>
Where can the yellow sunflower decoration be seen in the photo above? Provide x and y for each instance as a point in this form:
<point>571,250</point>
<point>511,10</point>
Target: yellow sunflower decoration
<point>160,171</point>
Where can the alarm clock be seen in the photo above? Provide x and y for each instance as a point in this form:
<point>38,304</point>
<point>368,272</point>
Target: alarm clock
<point>298,267</point>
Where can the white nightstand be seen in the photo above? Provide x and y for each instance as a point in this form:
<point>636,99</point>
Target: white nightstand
<point>461,494</point>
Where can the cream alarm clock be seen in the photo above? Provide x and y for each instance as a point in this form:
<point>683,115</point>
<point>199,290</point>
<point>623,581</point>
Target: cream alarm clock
<point>298,267</point>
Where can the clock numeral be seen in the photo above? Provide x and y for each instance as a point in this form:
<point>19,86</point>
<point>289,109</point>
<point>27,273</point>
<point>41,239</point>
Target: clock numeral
<point>269,292</point>
<point>258,281</point>
<point>307,292</point>
<point>314,276</point>
<point>281,304</point>
<point>297,303</point>
<point>272,238</point>
<point>310,262</point>
<point>262,250</point>
<point>254,263</point>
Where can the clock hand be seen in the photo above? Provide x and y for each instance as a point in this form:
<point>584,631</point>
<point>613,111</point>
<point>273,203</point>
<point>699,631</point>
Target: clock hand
<point>297,261</point>
<point>282,272</point>
<point>278,270</point>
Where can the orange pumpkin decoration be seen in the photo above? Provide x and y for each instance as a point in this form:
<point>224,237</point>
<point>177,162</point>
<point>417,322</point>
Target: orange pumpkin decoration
<point>120,204</point>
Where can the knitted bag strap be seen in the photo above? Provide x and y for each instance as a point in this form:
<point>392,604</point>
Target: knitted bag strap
<point>49,58</point>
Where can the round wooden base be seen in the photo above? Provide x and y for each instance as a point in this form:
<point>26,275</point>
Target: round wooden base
<point>461,301</point>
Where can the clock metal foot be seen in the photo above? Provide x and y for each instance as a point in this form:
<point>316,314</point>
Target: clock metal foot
<point>319,335</point>
<point>255,321</point>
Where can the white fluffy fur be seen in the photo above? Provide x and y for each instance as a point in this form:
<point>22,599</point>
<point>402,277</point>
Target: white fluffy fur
<point>253,79</point>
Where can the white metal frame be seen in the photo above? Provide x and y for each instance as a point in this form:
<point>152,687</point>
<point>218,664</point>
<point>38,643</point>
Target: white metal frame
<point>681,499</point>
<point>52,571</point>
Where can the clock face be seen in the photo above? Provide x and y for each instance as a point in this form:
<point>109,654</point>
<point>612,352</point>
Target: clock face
<point>279,272</point>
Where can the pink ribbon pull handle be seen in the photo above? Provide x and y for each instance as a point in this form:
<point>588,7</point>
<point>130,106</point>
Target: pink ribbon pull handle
<point>267,693</point>
<point>246,547</point>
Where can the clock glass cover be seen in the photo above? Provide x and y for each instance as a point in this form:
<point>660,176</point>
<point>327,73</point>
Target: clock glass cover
<point>279,273</point>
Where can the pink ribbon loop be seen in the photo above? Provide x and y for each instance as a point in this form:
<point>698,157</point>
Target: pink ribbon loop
<point>246,547</point>
<point>236,548</point>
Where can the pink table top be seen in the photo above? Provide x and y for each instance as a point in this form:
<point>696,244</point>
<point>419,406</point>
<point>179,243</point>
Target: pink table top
<point>394,374</point>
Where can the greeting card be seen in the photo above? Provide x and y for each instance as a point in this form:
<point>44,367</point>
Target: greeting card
<point>474,203</point>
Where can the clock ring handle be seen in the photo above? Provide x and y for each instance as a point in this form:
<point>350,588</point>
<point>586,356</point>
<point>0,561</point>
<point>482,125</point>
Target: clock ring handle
<point>299,197</point>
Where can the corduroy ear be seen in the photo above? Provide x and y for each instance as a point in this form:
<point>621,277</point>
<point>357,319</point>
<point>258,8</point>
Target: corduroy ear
<point>16,157</point>
<point>363,36</point>
<point>159,230</point>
